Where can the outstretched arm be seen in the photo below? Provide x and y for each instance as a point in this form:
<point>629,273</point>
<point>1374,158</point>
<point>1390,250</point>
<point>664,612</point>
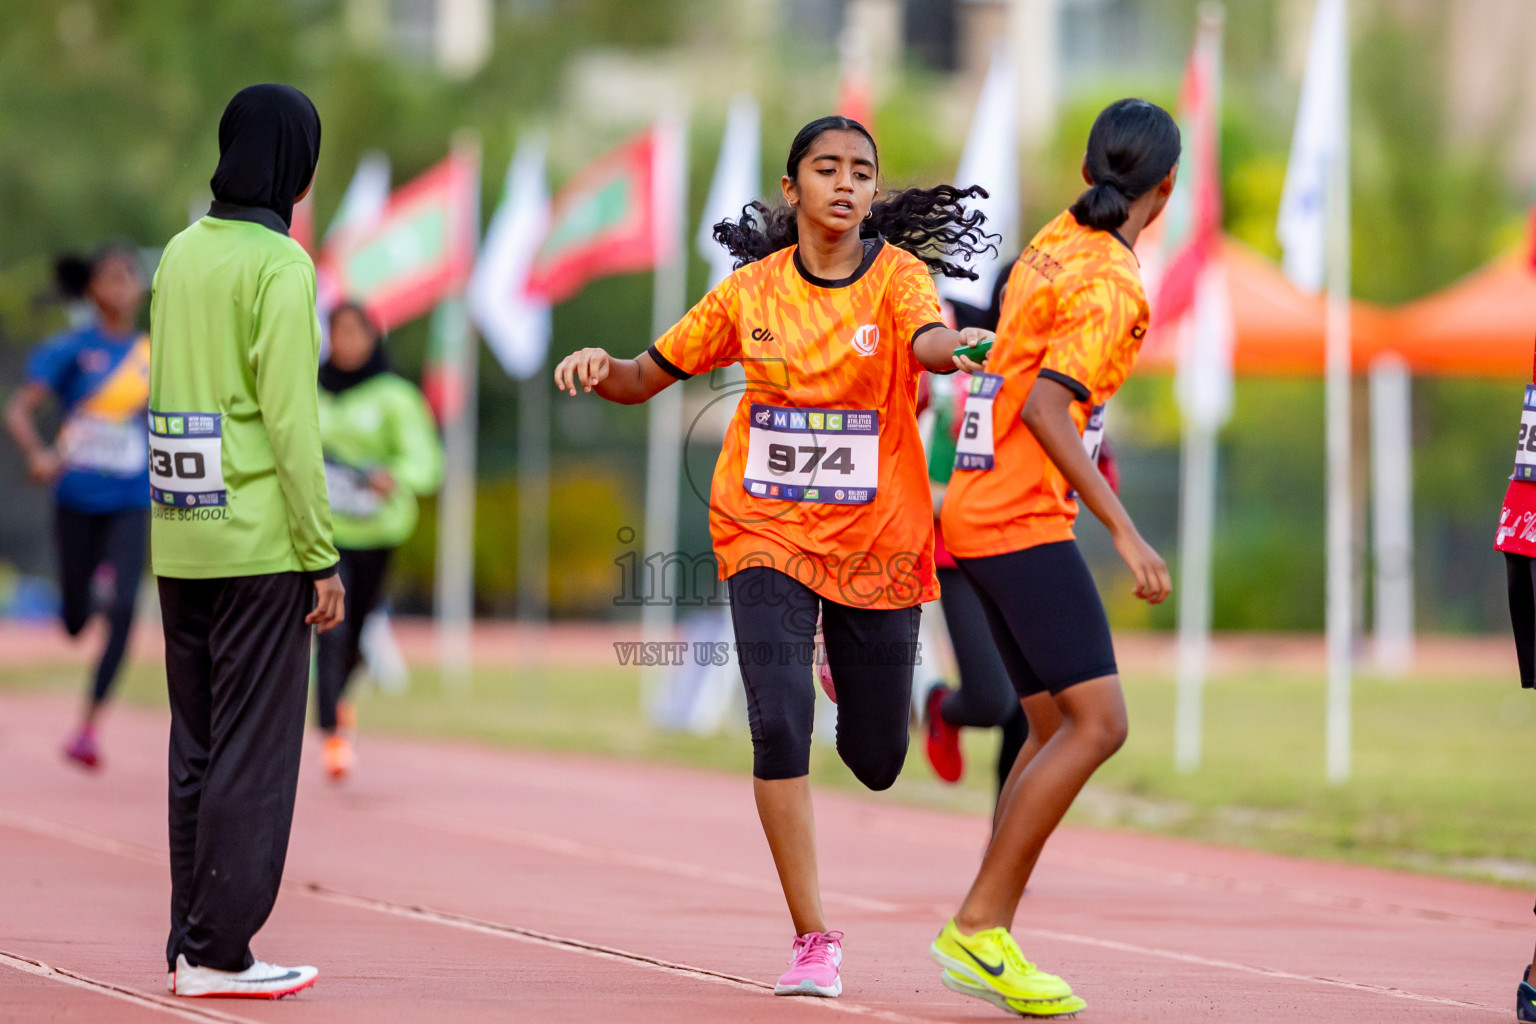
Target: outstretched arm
<point>935,348</point>
<point>1048,415</point>
<point>626,381</point>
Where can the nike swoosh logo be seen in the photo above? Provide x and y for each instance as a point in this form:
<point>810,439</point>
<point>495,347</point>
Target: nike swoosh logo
<point>286,976</point>
<point>996,972</point>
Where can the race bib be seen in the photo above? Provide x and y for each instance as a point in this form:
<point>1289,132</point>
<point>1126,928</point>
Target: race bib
<point>1093,434</point>
<point>349,491</point>
<point>93,445</point>
<point>1525,447</point>
<point>186,459</point>
<point>830,456</point>
<point>973,450</point>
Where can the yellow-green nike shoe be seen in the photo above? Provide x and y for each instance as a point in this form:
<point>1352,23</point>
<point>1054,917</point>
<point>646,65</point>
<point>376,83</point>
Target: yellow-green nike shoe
<point>993,967</point>
<point>1054,1009</point>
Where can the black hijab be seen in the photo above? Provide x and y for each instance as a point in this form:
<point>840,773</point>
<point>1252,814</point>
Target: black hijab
<point>269,143</point>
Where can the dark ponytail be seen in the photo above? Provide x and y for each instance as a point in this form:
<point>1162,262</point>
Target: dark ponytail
<point>1132,146</point>
<point>930,223</point>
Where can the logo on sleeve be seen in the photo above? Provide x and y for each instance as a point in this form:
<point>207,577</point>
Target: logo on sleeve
<point>866,339</point>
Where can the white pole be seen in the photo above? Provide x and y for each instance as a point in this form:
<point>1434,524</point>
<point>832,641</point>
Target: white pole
<point>456,516</point>
<point>1392,511</point>
<point>1340,632</point>
<point>1196,527</point>
<point>533,501</point>
<point>455,584</point>
<point>669,299</point>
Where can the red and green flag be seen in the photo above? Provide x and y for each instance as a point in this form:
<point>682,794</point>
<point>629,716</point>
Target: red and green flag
<point>444,380</point>
<point>1192,221</point>
<point>421,248</point>
<point>612,218</point>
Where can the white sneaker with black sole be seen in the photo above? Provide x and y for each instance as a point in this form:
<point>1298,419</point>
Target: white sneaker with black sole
<point>258,981</point>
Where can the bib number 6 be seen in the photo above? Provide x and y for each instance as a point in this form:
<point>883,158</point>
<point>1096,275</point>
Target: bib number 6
<point>781,459</point>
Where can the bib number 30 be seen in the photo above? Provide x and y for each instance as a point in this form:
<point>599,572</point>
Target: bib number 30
<point>186,459</point>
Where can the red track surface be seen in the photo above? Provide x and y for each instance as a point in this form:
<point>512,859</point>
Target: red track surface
<point>458,883</point>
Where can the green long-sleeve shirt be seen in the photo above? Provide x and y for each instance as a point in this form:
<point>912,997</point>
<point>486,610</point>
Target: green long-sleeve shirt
<point>236,473</point>
<point>380,423</point>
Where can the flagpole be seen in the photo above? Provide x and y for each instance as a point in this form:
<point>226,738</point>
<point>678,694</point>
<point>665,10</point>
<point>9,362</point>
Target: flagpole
<point>1392,518</point>
<point>455,584</point>
<point>533,501</point>
<point>664,440</point>
<point>1340,632</point>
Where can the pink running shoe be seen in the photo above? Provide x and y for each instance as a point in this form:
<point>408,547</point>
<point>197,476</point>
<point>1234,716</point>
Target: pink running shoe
<point>82,749</point>
<point>813,966</point>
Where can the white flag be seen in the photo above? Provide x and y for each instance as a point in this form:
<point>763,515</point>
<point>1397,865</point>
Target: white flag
<point>991,160</point>
<point>515,326</point>
<point>1320,140</point>
<point>364,200</point>
<point>736,183</point>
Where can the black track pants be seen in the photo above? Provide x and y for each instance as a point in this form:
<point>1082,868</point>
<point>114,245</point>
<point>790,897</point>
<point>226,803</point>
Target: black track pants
<point>86,541</point>
<point>985,696</point>
<point>871,652</point>
<point>337,653</point>
<point>237,667</point>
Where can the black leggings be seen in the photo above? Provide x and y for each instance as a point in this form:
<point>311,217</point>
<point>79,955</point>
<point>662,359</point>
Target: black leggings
<point>338,654</point>
<point>871,652</point>
<point>985,697</point>
<point>86,541</point>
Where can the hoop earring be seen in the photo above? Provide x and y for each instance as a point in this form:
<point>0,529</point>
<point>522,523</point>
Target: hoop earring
<point>870,215</point>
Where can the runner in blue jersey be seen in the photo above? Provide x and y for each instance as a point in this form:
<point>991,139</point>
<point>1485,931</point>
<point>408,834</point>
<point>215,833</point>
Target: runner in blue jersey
<point>98,464</point>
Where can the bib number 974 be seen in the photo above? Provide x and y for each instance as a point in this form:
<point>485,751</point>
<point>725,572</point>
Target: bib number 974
<point>782,458</point>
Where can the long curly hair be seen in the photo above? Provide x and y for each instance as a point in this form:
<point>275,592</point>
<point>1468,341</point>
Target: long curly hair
<point>932,224</point>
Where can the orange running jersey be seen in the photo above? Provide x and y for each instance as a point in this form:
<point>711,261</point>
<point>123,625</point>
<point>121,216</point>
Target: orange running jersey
<point>822,475</point>
<point>1073,312</point>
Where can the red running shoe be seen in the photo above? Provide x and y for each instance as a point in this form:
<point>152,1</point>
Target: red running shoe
<point>943,740</point>
<point>82,749</point>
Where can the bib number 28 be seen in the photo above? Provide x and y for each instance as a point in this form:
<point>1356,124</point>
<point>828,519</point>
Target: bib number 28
<point>186,463</point>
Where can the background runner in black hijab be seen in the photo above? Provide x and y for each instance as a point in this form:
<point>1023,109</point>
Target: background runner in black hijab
<point>269,143</point>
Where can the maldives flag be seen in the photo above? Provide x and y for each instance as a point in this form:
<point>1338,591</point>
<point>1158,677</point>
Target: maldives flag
<point>1192,220</point>
<point>421,248</point>
<point>614,217</point>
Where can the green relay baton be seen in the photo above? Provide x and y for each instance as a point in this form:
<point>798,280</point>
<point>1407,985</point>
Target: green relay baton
<point>976,353</point>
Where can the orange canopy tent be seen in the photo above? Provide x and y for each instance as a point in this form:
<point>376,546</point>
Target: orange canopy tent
<point>1278,330</point>
<point>1482,326</point>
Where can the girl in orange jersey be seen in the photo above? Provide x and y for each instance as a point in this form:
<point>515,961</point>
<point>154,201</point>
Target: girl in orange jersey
<point>1073,318</point>
<point>820,496</point>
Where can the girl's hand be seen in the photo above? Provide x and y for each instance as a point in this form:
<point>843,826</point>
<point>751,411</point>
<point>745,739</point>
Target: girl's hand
<point>44,466</point>
<point>588,366</point>
<point>1153,584</point>
<point>970,337</point>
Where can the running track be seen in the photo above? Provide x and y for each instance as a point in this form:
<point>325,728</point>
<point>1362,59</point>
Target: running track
<point>459,883</point>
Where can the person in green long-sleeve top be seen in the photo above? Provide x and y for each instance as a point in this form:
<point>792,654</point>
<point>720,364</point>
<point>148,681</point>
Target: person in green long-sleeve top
<point>381,453</point>
<point>240,538</point>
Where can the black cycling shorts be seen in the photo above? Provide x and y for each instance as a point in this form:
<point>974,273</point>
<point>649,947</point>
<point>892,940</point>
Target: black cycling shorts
<point>1045,615</point>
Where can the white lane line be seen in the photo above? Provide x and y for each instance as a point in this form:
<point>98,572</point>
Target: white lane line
<point>160,1004</point>
<point>617,858</point>
<point>104,844</point>
<point>1230,965</point>
<point>529,935</point>
<point>95,841</point>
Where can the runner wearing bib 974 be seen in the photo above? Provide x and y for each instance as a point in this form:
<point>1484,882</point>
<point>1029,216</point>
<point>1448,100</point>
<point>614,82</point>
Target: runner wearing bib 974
<point>99,375</point>
<point>820,496</point>
<point>1073,319</point>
